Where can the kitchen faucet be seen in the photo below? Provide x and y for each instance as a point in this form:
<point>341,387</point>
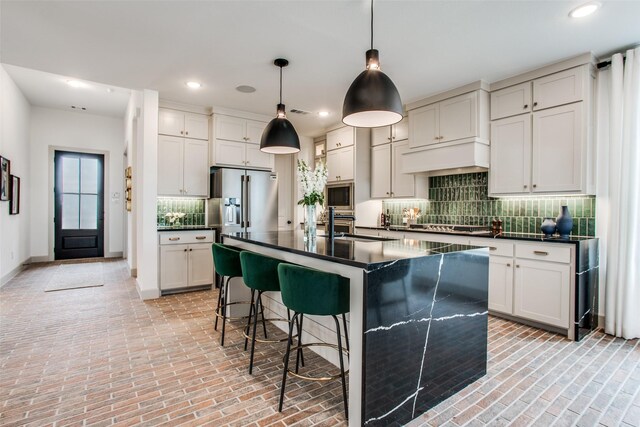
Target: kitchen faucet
<point>332,217</point>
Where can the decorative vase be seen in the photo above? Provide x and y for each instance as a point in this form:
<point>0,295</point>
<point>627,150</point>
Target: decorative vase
<point>548,227</point>
<point>310,225</point>
<point>564,222</point>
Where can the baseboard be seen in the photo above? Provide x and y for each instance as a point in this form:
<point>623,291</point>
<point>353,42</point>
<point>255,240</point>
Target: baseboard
<point>601,321</point>
<point>10,275</point>
<point>134,272</point>
<point>147,293</point>
<point>113,255</point>
<point>35,259</point>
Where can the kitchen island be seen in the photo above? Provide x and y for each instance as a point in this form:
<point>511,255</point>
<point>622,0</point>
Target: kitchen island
<point>417,321</point>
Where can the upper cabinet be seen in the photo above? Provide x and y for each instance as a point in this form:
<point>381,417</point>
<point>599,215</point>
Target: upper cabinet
<point>541,135</point>
<point>387,177</point>
<point>461,117</point>
<point>339,138</point>
<point>182,124</point>
<point>393,133</point>
<point>343,164</point>
<point>182,167</point>
<point>236,143</point>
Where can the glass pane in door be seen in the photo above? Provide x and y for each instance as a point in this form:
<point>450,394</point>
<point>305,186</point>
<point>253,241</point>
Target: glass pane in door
<point>88,211</point>
<point>70,174</point>
<point>70,205</point>
<point>89,176</point>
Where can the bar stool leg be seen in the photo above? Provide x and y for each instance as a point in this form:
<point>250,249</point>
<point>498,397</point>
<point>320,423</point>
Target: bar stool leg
<point>344,383</point>
<point>346,333</point>
<point>224,309</point>
<point>299,350</point>
<point>286,363</point>
<point>215,326</point>
<point>264,324</point>
<point>248,328</point>
<point>255,326</point>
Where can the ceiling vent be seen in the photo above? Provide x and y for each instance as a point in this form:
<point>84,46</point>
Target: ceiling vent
<point>296,111</point>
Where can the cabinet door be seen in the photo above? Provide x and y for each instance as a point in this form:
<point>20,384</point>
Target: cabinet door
<point>501,284</point>
<point>339,138</point>
<point>254,131</point>
<point>381,171</point>
<point>196,126</point>
<point>230,152</point>
<point>346,161</point>
<point>423,126</point>
<point>511,101</point>
<point>542,292</point>
<point>170,122</point>
<point>400,131</point>
<point>559,88</point>
<point>458,117</point>
<point>333,166</point>
<point>170,166</point>
<point>557,149</point>
<point>510,171</point>
<point>380,136</point>
<point>230,128</point>
<point>200,265</point>
<point>196,167</point>
<point>402,184</point>
<point>258,159</point>
<point>173,266</point>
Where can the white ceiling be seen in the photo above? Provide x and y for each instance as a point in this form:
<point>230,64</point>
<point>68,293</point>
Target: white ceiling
<point>425,46</point>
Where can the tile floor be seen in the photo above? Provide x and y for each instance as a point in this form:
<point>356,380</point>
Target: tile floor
<point>100,357</point>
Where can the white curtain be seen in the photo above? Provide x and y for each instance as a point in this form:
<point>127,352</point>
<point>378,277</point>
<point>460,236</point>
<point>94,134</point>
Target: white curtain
<point>618,195</point>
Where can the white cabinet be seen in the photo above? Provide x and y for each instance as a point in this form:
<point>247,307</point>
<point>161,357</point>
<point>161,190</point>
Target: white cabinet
<point>501,284</point>
<point>550,148</point>
<point>236,143</point>
<point>186,125</point>
<point>387,177</point>
<point>340,164</point>
<point>393,133</point>
<point>341,137</point>
<point>182,167</point>
<point>452,119</point>
<point>185,259</point>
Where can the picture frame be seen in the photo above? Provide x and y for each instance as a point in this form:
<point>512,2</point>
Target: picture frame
<point>14,201</point>
<point>5,171</point>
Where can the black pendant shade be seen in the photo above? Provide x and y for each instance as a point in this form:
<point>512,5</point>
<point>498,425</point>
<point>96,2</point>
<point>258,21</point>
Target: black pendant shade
<point>372,99</point>
<point>280,137</point>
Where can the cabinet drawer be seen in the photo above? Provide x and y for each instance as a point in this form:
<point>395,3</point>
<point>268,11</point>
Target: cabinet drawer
<point>496,247</point>
<point>544,252</point>
<point>174,238</point>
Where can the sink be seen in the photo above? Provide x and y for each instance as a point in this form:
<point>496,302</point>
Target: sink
<point>361,238</point>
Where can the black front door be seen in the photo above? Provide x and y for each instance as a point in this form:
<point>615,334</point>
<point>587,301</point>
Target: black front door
<point>79,205</point>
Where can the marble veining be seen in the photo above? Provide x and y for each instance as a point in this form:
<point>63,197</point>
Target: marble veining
<point>424,319</point>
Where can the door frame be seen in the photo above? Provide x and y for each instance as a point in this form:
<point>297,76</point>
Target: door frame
<point>51,185</point>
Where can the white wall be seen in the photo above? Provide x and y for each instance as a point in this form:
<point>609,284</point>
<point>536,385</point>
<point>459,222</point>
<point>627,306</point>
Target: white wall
<point>133,132</point>
<point>15,114</point>
<point>306,153</point>
<point>58,129</point>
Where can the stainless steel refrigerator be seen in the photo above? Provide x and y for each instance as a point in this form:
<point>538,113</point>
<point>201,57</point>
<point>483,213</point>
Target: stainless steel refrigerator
<point>243,200</point>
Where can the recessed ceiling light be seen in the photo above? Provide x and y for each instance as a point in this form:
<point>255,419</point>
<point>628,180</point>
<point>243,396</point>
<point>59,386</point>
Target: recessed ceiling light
<point>109,90</point>
<point>76,83</point>
<point>246,89</point>
<point>323,113</point>
<point>584,10</point>
<point>194,85</point>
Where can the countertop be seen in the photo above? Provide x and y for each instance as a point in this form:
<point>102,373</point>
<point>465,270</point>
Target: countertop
<point>186,228</point>
<point>506,236</point>
<point>363,252</point>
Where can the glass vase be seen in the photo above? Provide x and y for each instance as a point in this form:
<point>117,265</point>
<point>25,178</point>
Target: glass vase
<point>310,225</point>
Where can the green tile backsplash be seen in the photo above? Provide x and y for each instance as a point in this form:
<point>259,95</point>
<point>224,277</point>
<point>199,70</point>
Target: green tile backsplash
<point>463,199</point>
<point>193,208</point>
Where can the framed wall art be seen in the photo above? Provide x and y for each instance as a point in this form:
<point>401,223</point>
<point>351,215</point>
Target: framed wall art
<point>14,191</point>
<point>5,171</point>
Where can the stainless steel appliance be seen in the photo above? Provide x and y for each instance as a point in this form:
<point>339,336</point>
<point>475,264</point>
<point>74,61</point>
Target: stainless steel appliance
<point>477,230</point>
<point>340,196</point>
<point>341,223</point>
<point>243,200</point>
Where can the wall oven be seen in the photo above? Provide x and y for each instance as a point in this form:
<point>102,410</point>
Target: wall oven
<point>340,196</point>
<point>341,226</point>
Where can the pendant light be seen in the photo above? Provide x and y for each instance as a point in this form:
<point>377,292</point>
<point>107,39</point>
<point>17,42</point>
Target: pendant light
<point>372,99</point>
<point>280,137</point>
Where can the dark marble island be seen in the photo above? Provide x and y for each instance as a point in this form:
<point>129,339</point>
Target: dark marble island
<point>418,318</point>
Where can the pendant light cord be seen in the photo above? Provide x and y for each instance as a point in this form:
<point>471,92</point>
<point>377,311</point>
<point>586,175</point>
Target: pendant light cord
<point>280,85</point>
<point>371,24</point>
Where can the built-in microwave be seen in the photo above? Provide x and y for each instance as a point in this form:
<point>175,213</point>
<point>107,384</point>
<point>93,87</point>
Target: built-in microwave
<point>340,196</point>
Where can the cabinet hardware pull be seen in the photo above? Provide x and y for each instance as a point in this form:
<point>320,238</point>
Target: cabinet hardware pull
<point>541,253</point>
<point>535,104</point>
<point>493,248</point>
<point>517,265</point>
<point>535,185</point>
<point>173,239</point>
<point>181,133</point>
<point>187,133</point>
<point>389,138</point>
<point>392,193</point>
<point>387,192</point>
<point>190,250</point>
<point>526,106</point>
<point>525,186</point>
<point>435,137</point>
<point>201,237</point>
<point>508,265</point>
<point>185,250</point>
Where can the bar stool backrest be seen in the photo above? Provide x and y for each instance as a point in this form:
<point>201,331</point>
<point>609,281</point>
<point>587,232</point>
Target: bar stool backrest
<point>309,291</point>
<point>226,260</point>
<point>260,272</point>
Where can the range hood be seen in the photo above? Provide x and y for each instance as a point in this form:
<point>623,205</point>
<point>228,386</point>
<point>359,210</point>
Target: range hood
<point>448,158</point>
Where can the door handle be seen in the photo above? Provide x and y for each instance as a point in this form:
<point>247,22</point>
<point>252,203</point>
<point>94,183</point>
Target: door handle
<point>242,201</point>
<point>247,203</point>
<point>493,248</point>
<point>173,239</point>
<point>201,237</point>
<point>543,253</point>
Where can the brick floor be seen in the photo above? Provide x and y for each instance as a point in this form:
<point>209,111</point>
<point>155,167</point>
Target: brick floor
<point>101,357</point>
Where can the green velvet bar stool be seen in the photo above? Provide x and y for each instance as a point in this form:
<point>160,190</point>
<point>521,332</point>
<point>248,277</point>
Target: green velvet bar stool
<point>260,274</point>
<point>226,260</point>
<point>313,292</point>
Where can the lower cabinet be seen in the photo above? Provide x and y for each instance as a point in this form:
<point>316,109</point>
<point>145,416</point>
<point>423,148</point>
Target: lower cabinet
<point>501,284</point>
<point>185,259</point>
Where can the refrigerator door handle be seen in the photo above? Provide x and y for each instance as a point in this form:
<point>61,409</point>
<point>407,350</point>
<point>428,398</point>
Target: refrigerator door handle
<point>248,201</point>
<point>242,201</point>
